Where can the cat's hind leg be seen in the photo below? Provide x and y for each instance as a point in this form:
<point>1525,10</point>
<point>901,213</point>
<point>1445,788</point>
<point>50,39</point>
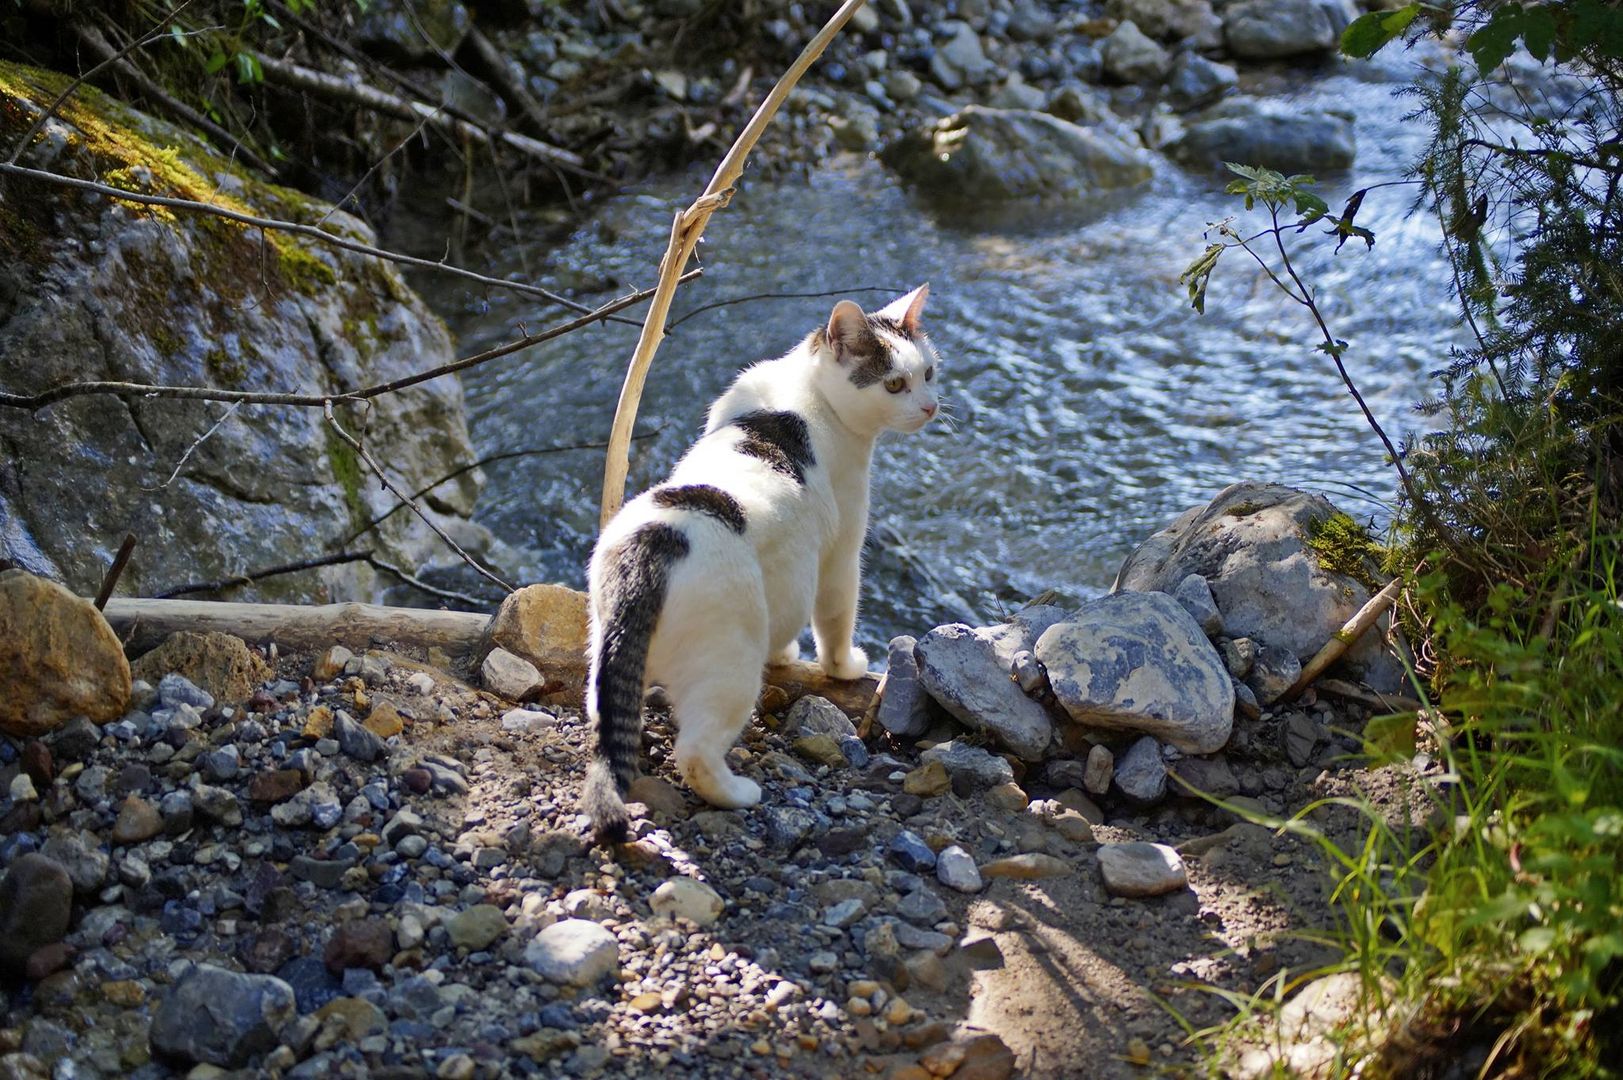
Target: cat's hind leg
<point>710,712</point>
<point>788,654</point>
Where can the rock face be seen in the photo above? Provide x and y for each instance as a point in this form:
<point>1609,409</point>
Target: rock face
<point>219,663</point>
<point>95,289</point>
<point>1250,543</point>
<point>1290,141</point>
<point>967,672</point>
<point>999,155</point>
<point>219,1017</point>
<point>546,625</point>
<point>36,900</point>
<point>58,657</point>
<point>1139,662</point>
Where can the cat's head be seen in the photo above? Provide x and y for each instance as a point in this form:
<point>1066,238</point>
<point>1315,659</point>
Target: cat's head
<point>877,368</point>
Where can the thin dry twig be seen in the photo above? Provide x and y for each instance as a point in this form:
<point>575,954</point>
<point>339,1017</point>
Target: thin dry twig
<point>252,576</point>
<point>371,463</point>
<point>685,232</point>
<point>34,402</point>
<point>199,441</point>
<point>296,228</point>
<point>702,308</point>
<point>433,590</point>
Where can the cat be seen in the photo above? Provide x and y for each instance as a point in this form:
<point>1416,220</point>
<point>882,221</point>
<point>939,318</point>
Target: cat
<point>703,579</point>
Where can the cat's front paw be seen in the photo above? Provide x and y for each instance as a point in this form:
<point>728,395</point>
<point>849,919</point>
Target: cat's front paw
<point>853,665</point>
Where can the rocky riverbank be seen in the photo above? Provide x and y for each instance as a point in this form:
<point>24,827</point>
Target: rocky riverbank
<point>366,865</point>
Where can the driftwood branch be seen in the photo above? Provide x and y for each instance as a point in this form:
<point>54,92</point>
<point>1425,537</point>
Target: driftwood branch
<point>143,623</point>
<point>1344,639</point>
<point>171,202</point>
<point>371,463</point>
<point>685,232</point>
<point>34,402</point>
<point>297,77</point>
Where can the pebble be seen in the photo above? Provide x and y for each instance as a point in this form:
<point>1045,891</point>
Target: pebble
<point>355,739</point>
<point>813,715</point>
<point>359,943</point>
<point>219,1017</point>
<point>331,664</point>
<point>574,952</point>
<point>685,898</point>
<point>972,766</point>
<point>1100,768</point>
<point>928,780</point>
<point>510,676</point>
<point>911,853</point>
<point>138,820</point>
<point>476,928</point>
<point>1141,773</point>
<point>1139,869</point>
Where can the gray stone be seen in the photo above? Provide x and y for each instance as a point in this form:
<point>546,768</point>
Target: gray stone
<point>1274,671</point>
<point>322,873</point>
<point>911,853</point>
<point>356,739</point>
<point>980,770</point>
<point>36,901</point>
<point>904,709</point>
<point>511,677</point>
<point>981,155</point>
<point>1301,738</point>
<point>1141,774</point>
<point>217,804</point>
<point>81,856</point>
<point>1171,20</point>
<point>787,827</point>
<point>845,914</point>
<point>902,85</point>
<point>175,689</point>
<point>966,671</point>
<point>1139,869</point>
<point>1274,29</point>
<point>1028,672</point>
<point>219,1017</point>
<point>1290,140</point>
<point>960,60</point>
<point>1249,543</point>
<point>1209,776</point>
<point>1030,21</point>
<point>574,952</point>
<point>813,715</point>
<point>1196,81</point>
<point>955,868</point>
<point>317,805</point>
<point>222,764</point>
<point>1238,655</point>
<point>1101,766</point>
<point>922,906</point>
<point>1196,597</point>
<point>476,928</point>
<point>138,272</point>
<point>1132,57</point>
<point>1138,662</point>
<point>1017,94</point>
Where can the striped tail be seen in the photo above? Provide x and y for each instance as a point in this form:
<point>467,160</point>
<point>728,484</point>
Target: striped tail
<point>629,597</point>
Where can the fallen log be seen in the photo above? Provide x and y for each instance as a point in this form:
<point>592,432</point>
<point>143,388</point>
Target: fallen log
<point>142,624</point>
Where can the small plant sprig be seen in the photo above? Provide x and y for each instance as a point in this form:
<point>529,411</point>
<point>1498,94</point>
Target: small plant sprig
<point>1279,196</point>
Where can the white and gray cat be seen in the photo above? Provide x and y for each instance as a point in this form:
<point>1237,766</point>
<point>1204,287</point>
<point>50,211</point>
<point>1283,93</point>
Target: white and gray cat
<point>700,581</point>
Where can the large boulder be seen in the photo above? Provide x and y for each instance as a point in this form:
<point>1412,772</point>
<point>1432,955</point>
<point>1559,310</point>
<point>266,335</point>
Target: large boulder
<point>58,658</point>
<point>1255,546</point>
<point>967,671</point>
<point>1140,662</point>
<point>1275,29</point>
<point>1000,155</point>
<point>96,289</point>
<point>1252,133</point>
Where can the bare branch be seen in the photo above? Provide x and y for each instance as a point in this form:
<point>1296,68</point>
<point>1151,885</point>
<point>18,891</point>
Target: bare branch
<point>685,232</point>
<point>34,402</point>
<point>294,227</point>
<point>199,441</point>
<point>110,581</point>
<point>781,296</point>
<point>371,463</point>
<point>423,586</point>
<point>260,575</point>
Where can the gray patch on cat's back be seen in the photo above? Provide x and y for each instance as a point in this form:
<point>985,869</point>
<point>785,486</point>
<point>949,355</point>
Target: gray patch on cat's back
<point>781,439</point>
<point>703,499</point>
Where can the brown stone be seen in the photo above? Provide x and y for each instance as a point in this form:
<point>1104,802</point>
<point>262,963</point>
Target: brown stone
<point>58,658</point>
<point>218,663</point>
<point>359,943</point>
<point>664,802</point>
<point>138,820</point>
<point>330,664</point>
<point>38,764</point>
<point>418,781</point>
<point>822,749</point>
<point>384,720</point>
<point>276,786</point>
<point>986,1057</point>
<point>928,780</point>
<point>1028,867</point>
<point>36,901</point>
<point>319,724</point>
<point>48,960</point>
<point>546,625</point>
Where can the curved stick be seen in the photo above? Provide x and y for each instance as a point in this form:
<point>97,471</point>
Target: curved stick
<point>1345,638</point>
<point>685,232</point>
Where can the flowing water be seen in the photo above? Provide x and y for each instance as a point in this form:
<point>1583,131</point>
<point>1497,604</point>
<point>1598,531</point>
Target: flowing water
<point>1091,404</point>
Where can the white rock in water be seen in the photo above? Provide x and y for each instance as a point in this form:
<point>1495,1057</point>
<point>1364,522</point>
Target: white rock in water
<point>1141,869</point>
<point>1139,662</point>
<point>685,898</point>
<point>956,869</point>
<point>574,952</point>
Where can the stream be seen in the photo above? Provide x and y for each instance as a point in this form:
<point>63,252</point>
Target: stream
<point>1090,403</point>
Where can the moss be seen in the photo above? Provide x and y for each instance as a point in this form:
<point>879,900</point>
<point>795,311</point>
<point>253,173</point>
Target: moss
<point>1245,509</point>
<point>1341,546</point>
<point>225,369</point>
<point>346,471</point>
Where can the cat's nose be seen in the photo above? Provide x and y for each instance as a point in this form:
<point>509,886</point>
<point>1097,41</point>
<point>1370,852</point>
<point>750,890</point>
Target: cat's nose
<point>929,410</point>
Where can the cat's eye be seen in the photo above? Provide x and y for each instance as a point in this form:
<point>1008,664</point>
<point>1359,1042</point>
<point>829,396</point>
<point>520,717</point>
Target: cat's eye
<point>929,373</point>
<point>896,383</point>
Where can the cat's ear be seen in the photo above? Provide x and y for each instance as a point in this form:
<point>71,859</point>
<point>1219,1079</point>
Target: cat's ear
<point>847,326</point>
<point>908,310</point>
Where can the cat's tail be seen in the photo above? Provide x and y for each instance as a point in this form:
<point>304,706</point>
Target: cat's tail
<point>627,596</point>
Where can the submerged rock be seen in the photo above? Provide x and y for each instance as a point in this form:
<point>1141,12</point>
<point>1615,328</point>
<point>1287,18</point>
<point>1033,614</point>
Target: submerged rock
<point>1003,155</point>
<point>1288,140</point>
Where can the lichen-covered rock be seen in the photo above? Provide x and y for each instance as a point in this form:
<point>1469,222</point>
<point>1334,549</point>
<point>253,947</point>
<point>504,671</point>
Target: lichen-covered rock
<point>222,665</point>
<point>1139,662</point>
<point>546,625</point>
<point>91,288</point>
<point>1002,155</point>
<point>1253,544</point>
<point>58,657</point>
